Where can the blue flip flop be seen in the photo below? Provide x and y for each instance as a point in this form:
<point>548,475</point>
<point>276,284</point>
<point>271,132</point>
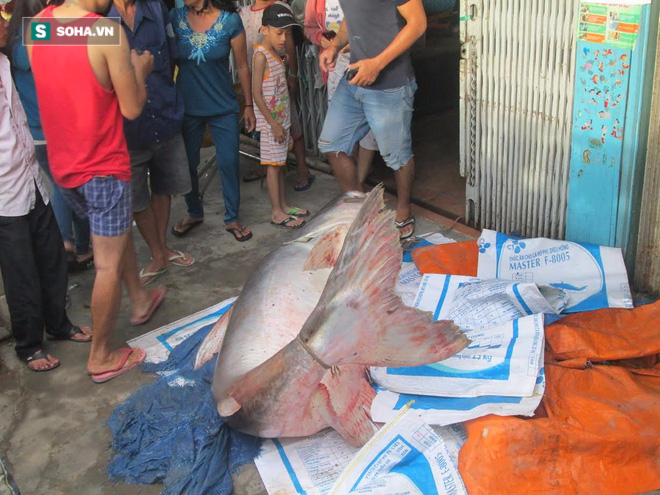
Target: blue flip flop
<point>308,180</point>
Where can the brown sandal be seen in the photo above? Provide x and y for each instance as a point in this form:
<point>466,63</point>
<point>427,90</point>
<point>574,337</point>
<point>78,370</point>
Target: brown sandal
<point>236,231</point>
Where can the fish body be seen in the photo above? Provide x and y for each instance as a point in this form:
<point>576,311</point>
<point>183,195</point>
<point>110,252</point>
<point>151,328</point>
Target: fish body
<point>310,320</point>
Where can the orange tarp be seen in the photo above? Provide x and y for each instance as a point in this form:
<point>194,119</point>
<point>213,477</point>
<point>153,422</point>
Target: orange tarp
<point>456,258</point>
<point>598,427</point>
<point>606,334</point>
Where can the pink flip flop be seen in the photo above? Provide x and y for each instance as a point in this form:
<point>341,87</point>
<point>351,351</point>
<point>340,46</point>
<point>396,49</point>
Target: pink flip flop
<point>109,375</point>
<point>157,296</point>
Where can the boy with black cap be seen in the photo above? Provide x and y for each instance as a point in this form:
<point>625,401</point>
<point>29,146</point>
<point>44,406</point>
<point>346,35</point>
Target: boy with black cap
<point>273,110</point>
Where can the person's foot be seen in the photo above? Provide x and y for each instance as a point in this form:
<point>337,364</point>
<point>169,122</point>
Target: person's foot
<point>40,361</point>
<point>114,361</point>
<point>182,227</point>
<point>147,304</point>
<point>179,258</point>
<point>240,232</point>
<point>254,175</point>
<point>406,227</point>
<point>405,222</point>
<point>84,258</point>
<point>287,221</point>
<point>304,183</point>
<point>152,271</point>
<point>74,334</point>
<point>295,211</point>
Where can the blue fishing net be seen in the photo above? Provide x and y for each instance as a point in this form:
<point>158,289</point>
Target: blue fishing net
<point>169,431</point>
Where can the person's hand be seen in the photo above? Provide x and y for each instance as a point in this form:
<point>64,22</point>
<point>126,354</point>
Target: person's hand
<point>325,42</point>
<point>142,63</point>
<point>249,119</point>
<point>346,49</point>
<point>292,81</point>
<point>368,71</point>
<point>328,58</point>
<point>279,134</point>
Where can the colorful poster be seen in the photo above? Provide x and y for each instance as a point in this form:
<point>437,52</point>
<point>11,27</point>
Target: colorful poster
<point>616,25</point>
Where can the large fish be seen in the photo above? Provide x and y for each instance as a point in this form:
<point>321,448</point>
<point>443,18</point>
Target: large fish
<point>295,346</point>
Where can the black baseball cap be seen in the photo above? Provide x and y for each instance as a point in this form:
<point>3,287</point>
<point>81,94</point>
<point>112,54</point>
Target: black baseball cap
<point>278,16</point>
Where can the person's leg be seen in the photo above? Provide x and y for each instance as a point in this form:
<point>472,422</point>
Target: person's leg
<point>224,129</point>
<point>367,150</point>
<point>345,124</point>
<point>82,238</point>
<point>364,160</point>
<point>22,289</point>
<point>304,180</point>
<point>63,213</point>
<point>169,176</point>
<point>51,262</point>
<point>142,301</point>
<point>389,114</point>
<point>109,253</point>
<point>193,133</point>
<point>108,201</point>
<point>144,214</point>
<point>274,154</point>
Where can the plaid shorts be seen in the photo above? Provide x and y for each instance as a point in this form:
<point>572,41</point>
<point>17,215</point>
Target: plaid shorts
<point>106,201</point>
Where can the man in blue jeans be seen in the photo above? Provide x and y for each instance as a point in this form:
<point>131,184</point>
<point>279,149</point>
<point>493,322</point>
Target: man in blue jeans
<point>378,96</point>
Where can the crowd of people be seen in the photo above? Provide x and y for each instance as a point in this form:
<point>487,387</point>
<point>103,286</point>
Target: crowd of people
<point>118,129</point>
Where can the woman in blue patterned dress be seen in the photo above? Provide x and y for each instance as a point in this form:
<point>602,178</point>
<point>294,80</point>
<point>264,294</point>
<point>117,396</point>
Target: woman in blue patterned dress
<point>206,32</point>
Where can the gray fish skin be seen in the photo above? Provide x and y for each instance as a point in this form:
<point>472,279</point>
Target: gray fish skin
<point>311,319</point>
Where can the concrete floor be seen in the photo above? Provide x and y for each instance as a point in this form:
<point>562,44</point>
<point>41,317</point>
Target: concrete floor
<point>53,434</point>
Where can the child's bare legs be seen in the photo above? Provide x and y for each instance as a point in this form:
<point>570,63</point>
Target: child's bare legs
<point>275,183</point>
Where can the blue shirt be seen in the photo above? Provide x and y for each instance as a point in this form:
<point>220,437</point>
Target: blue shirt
<point>162,115</point>
<point>24,81</point>
<point>204,78</point>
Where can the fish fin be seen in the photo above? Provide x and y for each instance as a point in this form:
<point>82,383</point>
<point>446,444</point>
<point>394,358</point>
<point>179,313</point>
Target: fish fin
<point>228,406</point>
<point>359,318</point>
<point>349,401</point>
<point>325,252</point>
<point>213,341</point>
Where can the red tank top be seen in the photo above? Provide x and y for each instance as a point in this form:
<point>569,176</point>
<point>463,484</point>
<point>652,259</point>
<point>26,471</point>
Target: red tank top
<point>81,119</point>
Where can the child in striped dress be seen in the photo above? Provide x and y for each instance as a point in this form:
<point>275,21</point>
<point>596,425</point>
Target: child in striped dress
<point>273,111</point>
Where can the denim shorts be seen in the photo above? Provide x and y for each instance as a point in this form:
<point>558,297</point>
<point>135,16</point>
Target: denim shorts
<point>107,203</point>
<point>388,113</point>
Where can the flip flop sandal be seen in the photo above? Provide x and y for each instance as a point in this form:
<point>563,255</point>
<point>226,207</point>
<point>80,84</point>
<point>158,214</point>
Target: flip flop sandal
<point>284,224</point>
<point>180,255</point>
<point>294,212</point>
<point>253,176</point>
<point>234,231</point>
<point>308,181</point>
<point>401,225</point>
<point>157,296</point>
<point>73,265</point>
<point>35,357</point>
<point>109,375</point>
<point>185,228</point>
<point>154,275</point>
<point>74,330</point>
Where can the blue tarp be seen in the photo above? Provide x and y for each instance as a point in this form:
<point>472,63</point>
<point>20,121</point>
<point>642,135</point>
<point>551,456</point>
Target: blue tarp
<point>170,431</point>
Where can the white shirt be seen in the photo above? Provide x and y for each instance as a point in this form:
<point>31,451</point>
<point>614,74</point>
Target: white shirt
<point>19,170</point>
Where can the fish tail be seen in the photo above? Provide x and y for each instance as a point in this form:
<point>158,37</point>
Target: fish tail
<point>359,318</point>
